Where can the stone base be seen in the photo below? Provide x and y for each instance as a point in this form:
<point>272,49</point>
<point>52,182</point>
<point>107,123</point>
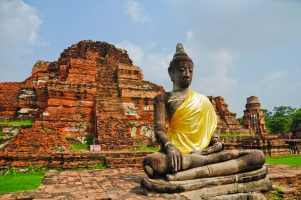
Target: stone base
<point>248,185</point>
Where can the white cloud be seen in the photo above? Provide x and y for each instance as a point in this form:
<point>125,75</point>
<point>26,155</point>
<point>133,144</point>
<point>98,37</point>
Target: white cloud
<point>19,27</point>
<point>211,74</point>
<point>276,75</point>
<point>217,81</point>
<point>135,52</point>
<point>153,64</point>
<point>189,35</point>
<point>19,22</point>
<point>136,11</point>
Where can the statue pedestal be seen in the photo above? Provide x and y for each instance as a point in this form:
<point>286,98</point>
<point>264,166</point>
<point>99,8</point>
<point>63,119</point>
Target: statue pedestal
<point>248,185</point>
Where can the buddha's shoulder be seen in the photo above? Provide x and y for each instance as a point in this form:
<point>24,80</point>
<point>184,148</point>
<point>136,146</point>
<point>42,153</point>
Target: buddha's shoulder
<point>199,94</point>
<point>162,97</point>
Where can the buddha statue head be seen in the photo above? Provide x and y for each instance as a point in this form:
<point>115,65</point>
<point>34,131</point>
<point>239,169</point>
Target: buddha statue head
<point>181,68</point>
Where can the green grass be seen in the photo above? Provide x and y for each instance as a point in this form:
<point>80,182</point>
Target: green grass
<point>17,122</point>
<point>19,181</point>
<point>276,194</point>
<point>78,147</point>
<point>1,135</point>
<point>236,134</point>
<point>285,160</point>
<point>145,148</point>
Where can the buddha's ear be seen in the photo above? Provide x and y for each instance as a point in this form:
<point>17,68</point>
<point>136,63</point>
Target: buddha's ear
<point>171,75</point>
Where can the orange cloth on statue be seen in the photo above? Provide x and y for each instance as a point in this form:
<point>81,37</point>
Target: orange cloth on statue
<point>193,123</point>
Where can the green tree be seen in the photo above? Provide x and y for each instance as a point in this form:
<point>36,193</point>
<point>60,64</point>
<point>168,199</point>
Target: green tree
<point>279,124</point>
<point>283,111</point>
<point>241,121</point>
<point>296,120</point>
<point>280,119</point>
<point>267,114</point>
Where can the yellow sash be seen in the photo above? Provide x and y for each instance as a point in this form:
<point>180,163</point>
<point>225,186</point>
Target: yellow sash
<point>193,123</point>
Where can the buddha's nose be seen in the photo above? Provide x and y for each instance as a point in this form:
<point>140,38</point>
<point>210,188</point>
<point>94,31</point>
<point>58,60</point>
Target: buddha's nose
<point>187,74</point>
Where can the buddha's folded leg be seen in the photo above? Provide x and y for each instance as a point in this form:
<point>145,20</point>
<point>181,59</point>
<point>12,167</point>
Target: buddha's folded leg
<point>197,160</point>
<point>155,165</point>
<point>245,161</point>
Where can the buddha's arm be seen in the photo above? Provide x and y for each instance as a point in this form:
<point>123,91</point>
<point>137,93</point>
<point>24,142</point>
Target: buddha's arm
<point>174,156</point>
<point>215,146</point>
<point>159,121</point>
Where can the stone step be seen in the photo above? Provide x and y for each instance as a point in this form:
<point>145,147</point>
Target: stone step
<point>125,162</point>
<point>136,166</point>
<point>124,154</point>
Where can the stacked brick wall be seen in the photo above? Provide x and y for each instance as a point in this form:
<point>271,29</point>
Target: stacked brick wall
<point>137,98</point>
<point>72,160</point>
<point>112,125</point>
<point>9,99</point>
<point>269,146</point>
<point>30,141</point>
<point>227,122</point>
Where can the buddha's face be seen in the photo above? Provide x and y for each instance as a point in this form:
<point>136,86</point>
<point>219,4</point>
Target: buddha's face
<point>182,74</point>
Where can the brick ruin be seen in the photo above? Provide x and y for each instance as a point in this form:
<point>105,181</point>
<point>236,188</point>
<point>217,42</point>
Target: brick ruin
<point>254,116</point>
<point>227,122</point>
<point>93,91</point>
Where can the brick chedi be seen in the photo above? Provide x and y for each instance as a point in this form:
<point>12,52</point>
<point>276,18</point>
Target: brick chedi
<point>92,91</point>
<point>254,116</point>
<point>227,122</point>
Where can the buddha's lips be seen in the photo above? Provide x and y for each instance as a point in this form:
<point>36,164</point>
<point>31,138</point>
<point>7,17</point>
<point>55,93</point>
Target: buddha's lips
<point>187,80</point>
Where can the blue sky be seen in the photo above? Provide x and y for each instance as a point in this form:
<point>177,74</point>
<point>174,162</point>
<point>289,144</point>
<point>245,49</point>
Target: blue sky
<point>239,48</point>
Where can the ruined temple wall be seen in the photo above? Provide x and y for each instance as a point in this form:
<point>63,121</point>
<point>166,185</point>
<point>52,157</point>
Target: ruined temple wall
<point>112,125</point>
<point>137,98</point>
<point>9,103</point>
<point>269,146</point>
<point>227,122</point>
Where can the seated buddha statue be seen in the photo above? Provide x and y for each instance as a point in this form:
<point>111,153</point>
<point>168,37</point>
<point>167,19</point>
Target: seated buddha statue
<point>184,125</point>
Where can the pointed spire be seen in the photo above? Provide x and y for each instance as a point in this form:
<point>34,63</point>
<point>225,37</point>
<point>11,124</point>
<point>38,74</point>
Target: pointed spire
<point>180,48</point>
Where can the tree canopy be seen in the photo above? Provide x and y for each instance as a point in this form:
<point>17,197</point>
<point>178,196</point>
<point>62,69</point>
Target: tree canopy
<point>296,120</point>
<point>281,119</point>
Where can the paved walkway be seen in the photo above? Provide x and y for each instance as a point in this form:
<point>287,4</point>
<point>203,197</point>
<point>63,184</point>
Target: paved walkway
<point>87,184</point>
<point>104,184</point>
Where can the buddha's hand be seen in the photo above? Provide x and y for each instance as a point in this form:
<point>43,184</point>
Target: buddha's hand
<point>216,147</point>
<point>200,152</point>
<point>174,158</point>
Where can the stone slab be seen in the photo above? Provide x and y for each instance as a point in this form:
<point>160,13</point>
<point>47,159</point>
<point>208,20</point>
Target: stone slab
<point>228,191</point>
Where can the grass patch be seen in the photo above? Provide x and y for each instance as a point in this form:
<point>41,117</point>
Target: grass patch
<point>20,182</point>
<point>276,194</point>
<point>1,135</point>
<point>28,179</point>
<point>17,122</point>
<point>145,148</point>
<point>284,160</point>
<point>236,135</point>
<point>79,147</point>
